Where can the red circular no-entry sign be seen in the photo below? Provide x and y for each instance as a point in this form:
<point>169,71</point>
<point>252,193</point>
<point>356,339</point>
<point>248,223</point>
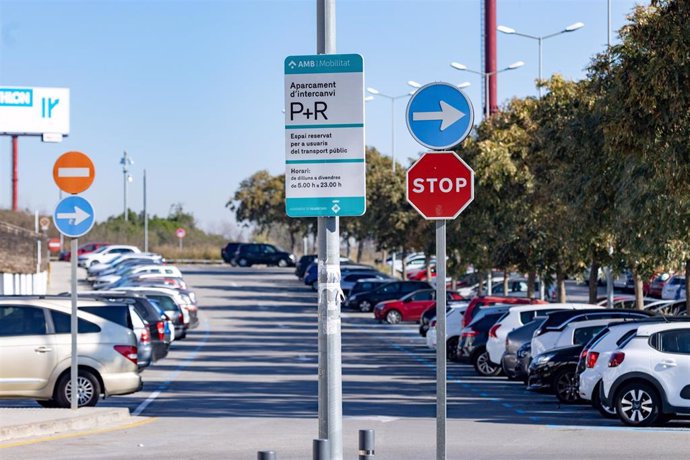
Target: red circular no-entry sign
<point>440,185</point>
<point>181,233</point>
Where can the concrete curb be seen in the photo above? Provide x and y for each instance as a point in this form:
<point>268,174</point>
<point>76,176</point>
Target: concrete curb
<point>24,423</point>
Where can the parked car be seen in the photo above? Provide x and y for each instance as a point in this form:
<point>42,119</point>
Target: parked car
<point>102,282</point>
<point>170,302</point>
<point>105,254</point>
<point>514,340</point>
<point>656,287</point>
<point>480,302</point>
<point>348,279</point>
<point>155,321</point>
<point>472,345</point>
<point>35,345</point>
<point>524,359</point>
<point>365,301</point>
<point>85,248</point>
<point>311,278</point>
<point>302,265</point>
<point>248,254</point>
<point>673,288</point>
<point>647,376</point>
<point>227,253</point>
<point>367,284</point>
<point>517,316</point>
<point>454,312</point>
<point>547,336</point>
<point>555,371</point>
<point>124,259</point>
<point>410,307</point>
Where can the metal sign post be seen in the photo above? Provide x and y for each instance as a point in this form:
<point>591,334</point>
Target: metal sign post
<point>440,185</point>
<point>73,217</point>
<point>74,366</point>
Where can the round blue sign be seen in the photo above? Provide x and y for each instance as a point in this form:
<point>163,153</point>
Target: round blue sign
<point>74,216</point>
<point>439,116</point>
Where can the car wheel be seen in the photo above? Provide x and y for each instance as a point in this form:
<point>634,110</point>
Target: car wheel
<point>393,317</point>
<point>243,262</point>
<point>47,403</point>
<point>423,329</point>
<point>452,349</point>
<point>365,306</point>
<point>282,263</point>
<point>484,366</point>
<point>88,390</point>
<point>638,404</point>
<point>565,386</point>
<point>597,403</point>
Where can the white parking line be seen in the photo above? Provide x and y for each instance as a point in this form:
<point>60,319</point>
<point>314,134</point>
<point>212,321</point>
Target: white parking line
<point>173,375</point>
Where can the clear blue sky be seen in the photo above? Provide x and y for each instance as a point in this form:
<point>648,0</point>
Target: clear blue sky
<point>193,90</point>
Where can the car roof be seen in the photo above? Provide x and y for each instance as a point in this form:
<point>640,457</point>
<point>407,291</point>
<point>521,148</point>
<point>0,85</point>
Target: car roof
<point>588,323</point>
<point>559,319</point>
<point>648,329</point>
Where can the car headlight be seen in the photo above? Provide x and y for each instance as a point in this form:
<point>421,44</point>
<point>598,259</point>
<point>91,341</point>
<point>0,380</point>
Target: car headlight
<point>543,358</point>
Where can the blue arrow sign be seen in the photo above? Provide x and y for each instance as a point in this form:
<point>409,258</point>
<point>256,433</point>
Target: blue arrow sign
<point>439,116</point>
<point>74,216</point>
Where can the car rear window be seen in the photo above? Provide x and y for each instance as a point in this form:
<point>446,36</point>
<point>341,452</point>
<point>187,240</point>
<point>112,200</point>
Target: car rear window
<point>583,335</point>
<point>164,302</point>
<point>118,314</point>
<point>62,324</point>
<point>626,337</point>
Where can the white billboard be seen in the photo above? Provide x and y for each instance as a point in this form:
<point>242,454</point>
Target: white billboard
<point>34,111</point>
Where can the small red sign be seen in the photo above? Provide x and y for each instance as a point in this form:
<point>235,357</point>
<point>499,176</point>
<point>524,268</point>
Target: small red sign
<point>180,232</point>
<point>54,245</point>
<point>440,185</point>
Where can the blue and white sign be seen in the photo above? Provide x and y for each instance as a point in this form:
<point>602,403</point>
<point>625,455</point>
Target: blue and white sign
<point>439,116</point>
<point>324,136</point>
<point>34,111</point>
<point>74,216</point>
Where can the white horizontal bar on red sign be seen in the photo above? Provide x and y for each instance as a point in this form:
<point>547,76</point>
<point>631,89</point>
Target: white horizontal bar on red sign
<point>73,172</point>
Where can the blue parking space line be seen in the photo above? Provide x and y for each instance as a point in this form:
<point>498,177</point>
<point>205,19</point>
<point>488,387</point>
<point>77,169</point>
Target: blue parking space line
<point>520,411</point>
<point>507,406</point>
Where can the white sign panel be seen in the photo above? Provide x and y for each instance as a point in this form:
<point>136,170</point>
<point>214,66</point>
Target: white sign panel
<point>34,110</point>
<point>324,136</point>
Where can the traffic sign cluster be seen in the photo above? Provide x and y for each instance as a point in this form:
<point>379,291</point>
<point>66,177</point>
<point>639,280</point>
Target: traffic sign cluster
<point>74,173</point>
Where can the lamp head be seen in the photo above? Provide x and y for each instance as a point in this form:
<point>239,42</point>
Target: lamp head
<point>414,84</point>
<point>516,65</point>
<point>372,91</point>
<point>505,30</point>
<point>458,66</point>
<point>574,27</point>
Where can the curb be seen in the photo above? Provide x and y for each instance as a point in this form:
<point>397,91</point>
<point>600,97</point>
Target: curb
<point>43,422</point>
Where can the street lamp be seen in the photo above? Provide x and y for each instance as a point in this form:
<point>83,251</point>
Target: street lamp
<point>570,28</point>
<point>126,162</point>
<point>376,92</point>
<point>486,75</point>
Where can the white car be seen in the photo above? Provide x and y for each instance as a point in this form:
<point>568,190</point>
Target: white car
<point>547,336</point>
<point>165,270</point>
<point>453,320</point>
<point>648,377</point>
<point>596,361</point>
<point>674,288</point>
<point>516,317</point>
<point>471,291</point>
<point>105,254</point>
<point>114,264</point>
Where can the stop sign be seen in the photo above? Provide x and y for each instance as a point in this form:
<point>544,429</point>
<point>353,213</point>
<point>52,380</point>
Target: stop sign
<point>440,185</point>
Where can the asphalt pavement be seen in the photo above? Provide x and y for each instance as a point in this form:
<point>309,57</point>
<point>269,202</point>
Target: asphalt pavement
<point>246,380</point>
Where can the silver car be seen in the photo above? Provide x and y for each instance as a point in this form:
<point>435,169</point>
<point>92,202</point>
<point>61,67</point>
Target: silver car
<point>35,351</point>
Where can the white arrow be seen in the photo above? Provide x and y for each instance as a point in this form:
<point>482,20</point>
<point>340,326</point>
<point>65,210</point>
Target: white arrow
<point>79,215</point>
<point>448,115</point>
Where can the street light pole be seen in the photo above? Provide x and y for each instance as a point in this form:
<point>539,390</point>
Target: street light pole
<point>540,39</point>
<point>376,92</point>
<point>126,162</point>
<point>485,75</point>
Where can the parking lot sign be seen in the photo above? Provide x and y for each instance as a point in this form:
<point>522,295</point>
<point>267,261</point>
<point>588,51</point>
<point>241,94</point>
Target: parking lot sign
<point>324,136</point>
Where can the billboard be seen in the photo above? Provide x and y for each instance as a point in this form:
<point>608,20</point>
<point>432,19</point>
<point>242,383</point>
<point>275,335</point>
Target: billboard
<point>36,111</point>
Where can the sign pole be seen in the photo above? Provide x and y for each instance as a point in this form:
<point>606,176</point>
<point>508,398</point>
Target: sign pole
<point>330,372</point>
<point>441,342</point>
<point>73,327</point>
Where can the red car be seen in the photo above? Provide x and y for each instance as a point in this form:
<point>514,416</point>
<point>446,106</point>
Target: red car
<point>83,249</point>
<point>657,285</point>
<point>410,307</point>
